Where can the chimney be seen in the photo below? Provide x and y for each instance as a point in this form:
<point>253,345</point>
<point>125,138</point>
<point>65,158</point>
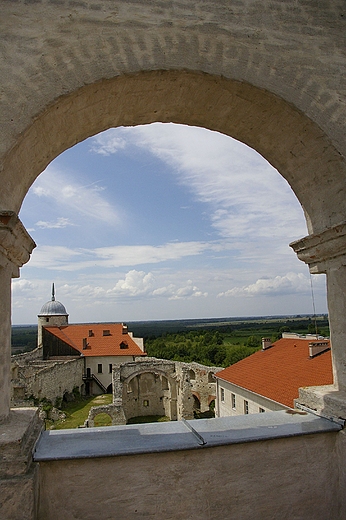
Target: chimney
<point>125,329</point>
<point>85,343</point>
<point>266,343</point>
<point>318,347</point>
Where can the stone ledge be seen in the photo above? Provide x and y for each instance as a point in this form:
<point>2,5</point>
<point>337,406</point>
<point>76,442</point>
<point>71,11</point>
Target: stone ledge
<point>324,400</point>
<point>18,436</point>
<point>115,441</point>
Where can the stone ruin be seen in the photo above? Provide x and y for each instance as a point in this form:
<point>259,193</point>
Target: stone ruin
<point>154,386</point>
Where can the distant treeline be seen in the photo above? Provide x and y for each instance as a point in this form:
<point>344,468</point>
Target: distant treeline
<point>299,324</point>
<point>24,338</point>
<point>219,342</point>
<point>205,347</point>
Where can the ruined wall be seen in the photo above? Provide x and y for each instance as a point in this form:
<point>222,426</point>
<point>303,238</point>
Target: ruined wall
<point>48,380</point>
<point>154,386</point>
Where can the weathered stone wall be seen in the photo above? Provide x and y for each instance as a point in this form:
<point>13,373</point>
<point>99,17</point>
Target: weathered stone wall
<point>115,412</point>
<point>154,386</point>
<point>50,380</point>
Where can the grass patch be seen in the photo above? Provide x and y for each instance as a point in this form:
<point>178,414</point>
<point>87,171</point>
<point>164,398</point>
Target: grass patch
<point>148,419</point>
<point>102,419</point>
<point>77,411</point>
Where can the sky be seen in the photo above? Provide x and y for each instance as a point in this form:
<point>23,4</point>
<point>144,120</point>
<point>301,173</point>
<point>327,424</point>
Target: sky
<point>159,222</point>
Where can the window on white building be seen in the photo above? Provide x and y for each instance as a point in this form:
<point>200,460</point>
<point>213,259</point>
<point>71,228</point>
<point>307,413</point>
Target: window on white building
<point>233,401</point>
<point>222,395</point>
<point>99,368</point>
<point>246,407</point>
<point>110,368</point>
<point>261,410</point>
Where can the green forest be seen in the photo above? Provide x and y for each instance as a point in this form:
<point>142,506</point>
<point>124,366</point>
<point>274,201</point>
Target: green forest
<point>205,347</point>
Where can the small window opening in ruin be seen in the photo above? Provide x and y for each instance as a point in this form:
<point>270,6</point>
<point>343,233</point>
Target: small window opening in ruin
<point>99,368</point>
<point>106,332</point>
<point>123,345</point>
<point>47,320</point>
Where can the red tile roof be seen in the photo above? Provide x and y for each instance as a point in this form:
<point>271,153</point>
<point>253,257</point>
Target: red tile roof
<point>278,372</point>
<point>98,344</point>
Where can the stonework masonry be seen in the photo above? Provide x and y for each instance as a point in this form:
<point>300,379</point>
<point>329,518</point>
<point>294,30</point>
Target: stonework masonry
<point>271,74</point>
<point>153,386</point>
<point>148,386</point>
<point>50,380</point>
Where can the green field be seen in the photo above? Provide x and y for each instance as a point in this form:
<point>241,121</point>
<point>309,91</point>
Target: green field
<point>77,412</point>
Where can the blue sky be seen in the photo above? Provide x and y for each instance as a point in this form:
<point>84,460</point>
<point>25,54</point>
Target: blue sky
<point>163,221</point>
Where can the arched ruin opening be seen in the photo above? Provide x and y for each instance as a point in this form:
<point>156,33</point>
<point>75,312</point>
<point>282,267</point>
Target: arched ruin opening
<point>196,403</point>
<point>149,392</point>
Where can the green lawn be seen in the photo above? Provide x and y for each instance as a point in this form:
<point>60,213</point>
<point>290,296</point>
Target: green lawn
<point>77,411</point>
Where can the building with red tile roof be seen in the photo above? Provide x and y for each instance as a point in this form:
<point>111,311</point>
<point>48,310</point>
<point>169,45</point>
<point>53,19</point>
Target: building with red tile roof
<point>269,379</point>
<point>100,344</point>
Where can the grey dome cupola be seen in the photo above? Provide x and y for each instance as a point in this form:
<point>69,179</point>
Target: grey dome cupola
<point>53,307</point>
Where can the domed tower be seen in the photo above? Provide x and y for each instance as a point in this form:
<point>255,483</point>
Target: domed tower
<point>53,313</point>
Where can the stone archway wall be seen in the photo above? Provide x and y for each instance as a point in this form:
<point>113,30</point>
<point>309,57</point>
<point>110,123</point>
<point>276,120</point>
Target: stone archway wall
<point>115,411</point>
<point>284,136</point>
<point>265,72</point>
<point>177,399</point>
<point>262,72</point>
<point>161,400</point>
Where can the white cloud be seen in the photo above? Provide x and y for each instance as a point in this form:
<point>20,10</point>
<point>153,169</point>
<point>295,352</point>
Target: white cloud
<point>107,143</point>
<point>60,257</point>
<point>53,257</point>
<point>66,192</point>
<point>61,222</point>
<point>279,285</point>
<point>135,283</point>
<point>21,285</point>
<point>244,194</point>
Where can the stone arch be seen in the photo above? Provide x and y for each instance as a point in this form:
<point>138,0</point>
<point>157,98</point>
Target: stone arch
<point>192,375</point>
<point>199,69</point>
<point>286,137</point>
<point>163,398</point>
<point>114,411</point>
<point>211,398</point>
<point>196,401</point>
